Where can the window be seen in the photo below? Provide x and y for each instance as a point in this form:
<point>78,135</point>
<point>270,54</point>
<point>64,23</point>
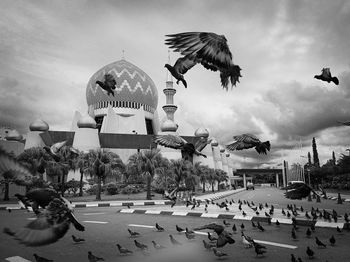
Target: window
<point>149,127</point>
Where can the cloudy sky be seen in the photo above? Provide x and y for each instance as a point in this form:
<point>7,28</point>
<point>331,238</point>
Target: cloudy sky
<point>50,49</point>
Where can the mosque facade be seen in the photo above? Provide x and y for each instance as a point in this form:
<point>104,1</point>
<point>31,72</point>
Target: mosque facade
<point>124,123</point>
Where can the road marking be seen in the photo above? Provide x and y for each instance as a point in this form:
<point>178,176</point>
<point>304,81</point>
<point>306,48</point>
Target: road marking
<point>89,214</point>
<point>145,226</point>
<point>328,224</point>
<point>275,244</point>
<point>154,212</point>
<point>95,222</point>
<point>209,215</point>
<point>179,213</point>
<point>17,259</point>
<point>127,211</point>
<point>201,233</point>
<point>31,218</point>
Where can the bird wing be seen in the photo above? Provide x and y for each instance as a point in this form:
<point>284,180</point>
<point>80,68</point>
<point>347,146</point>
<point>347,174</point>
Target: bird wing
<point>47,228</point>
<point>171,141</point>
<point>110,81</point>
<point>11,169</point>
<point>208,47</point>
<point>326,72</point>
<point>247,138</point>
<point>183,64</point>
<point>201,143</point>
<point>57,146</point>
<point>238,145</point>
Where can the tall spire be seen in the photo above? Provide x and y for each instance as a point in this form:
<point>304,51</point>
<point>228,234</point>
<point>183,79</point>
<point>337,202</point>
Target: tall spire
<point>169,77</point>
<point>123,55</point>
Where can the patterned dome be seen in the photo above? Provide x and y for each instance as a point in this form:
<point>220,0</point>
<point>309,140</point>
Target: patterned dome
<point>134,88</point>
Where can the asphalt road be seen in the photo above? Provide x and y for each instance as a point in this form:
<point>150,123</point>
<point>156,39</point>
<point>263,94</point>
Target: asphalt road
<point>107,228</point>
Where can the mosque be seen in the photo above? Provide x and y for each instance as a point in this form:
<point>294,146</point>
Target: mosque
<point>124,123</point>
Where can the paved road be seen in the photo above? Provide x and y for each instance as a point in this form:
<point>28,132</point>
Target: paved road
<point>108,227</point>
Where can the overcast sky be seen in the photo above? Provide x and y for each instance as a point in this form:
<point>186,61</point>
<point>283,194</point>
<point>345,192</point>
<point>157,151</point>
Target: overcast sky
<point>50,49</point>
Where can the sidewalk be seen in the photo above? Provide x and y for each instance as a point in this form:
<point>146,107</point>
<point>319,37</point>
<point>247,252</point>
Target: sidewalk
<point>234,213</point>
<point>116,203</point>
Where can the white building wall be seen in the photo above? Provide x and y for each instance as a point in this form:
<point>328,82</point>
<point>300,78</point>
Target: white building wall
<point>86,139</point>
<point>34,140</point>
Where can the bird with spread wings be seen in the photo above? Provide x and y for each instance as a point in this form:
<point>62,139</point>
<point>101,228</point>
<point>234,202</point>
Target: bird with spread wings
<point>247,141</point>
<point>50,225</point>
<point>208,49</point>
<point>298,191</point>
<point>187,149</point>
<point>327,76</point>
<point>109,84</point>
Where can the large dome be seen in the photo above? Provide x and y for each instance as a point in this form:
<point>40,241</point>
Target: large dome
<point>134,88</point>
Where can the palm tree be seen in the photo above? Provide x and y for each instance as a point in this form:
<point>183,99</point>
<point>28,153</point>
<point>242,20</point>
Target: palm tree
<point>212,178</point>
<point>82,164</point>
<point>183,176</point>
<point>203,176</point>
<point>221,176</point>
<point>145,163</point>
<point>100,164</point>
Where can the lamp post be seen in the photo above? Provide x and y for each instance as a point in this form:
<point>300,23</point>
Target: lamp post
<point>138,148</point>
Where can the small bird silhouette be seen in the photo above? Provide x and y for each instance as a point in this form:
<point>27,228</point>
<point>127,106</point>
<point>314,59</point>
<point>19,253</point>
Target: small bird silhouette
<point>140,245</point>
<point>234,229</point>
<point>260,227</point>
<point>332,240</point>
<point>133,233</point>
<point>211,238</point>
<point>208,246</point>
<point>108,85</point>
<point>219,253</point>
<point>93,258</point>
<point>190,236</point>
<point>277,222</point>
<point>41,259</point>
<point>247,141</point>
<point>159,228</point>
<point>292,258</point>
<point>77,239</point>
<point>157,246</point>
<point>319,243</point>
<point>174,241</point>
<point>310,252</point>
<point>308,232</point>
<point>123,250</point>
<point>54,149</point>
<point>327,76</point>
<point>242,226</point>
<point>294,236</point>
<point>259,251</point>
<point>179,229</point>
<point>226,223</point>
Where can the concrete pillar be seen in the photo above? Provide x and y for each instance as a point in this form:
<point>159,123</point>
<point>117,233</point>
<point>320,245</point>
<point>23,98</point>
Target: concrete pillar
<point>284,174</point>
<point>277,181</point>
<point>244,181</point>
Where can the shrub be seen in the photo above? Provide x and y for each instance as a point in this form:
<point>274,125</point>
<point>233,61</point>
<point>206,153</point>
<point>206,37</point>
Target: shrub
<point>72,186</point>
<point>111,188</point>
<point>92,190</point>
<point>131,189</point>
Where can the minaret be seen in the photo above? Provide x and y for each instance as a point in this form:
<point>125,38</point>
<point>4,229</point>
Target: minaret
<point>169,108</point>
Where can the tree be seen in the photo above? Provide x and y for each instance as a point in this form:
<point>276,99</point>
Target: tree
<point>315,153</point>
<point>100,165</point>
<point>221,176</point>
<point>333,158</point>
<point>145,163</point>
<point>212,178</point>
<point>82,164</point>
<point>182,170</point>
<point>309,158</point>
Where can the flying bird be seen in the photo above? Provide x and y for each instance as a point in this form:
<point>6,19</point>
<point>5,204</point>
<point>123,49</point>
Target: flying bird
<point>54,149</point>
<point>48,227</point>
<point>327,76</point>
<point>177,142</point>
<point>41,259</point>
<point>181,66</point>
<point>208,49</point>
<point>247,141</point>
<point>109,84</point>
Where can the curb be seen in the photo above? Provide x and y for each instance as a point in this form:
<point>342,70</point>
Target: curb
<point>107,204</point>
<point>299,222</point>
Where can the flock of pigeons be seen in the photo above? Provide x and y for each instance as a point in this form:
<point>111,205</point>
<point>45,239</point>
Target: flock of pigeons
<point>208,49</point>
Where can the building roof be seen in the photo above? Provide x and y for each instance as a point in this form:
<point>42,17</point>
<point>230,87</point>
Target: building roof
<point>133,85</point>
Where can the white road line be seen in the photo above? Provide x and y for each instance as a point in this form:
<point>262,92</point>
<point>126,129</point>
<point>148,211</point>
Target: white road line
<point>31,218</point>
<point>201,233</point>
<point>145,226</point>
<point>179,213</point>
<point>328,224</point>
<point>154,212</point>
<point>17,259</point>
<point>90,214</point>
<point>95,222</point>
<point>275,244</point>
<point>127,211</point>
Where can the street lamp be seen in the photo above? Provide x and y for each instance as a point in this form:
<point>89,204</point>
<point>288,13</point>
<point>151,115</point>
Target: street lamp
<point>135,132</point>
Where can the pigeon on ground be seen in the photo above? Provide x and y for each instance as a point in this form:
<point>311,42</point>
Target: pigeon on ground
<point>259,251</point>
<point>140,245</point>
<point>308,232</point>
<point>77,239</point>
<point>177,142</point>
<point>208,246</point>
<point>319,243</point>
<point>277,222</point>
<point>211,238</point>
<point>157,246</point>
<point>190,236</point>
<point>48,227</point>
<point>226,223</point>
<point>188,231</point>
<point>93,258</point>
<point>327,76</point>
<point>247,141</point>
<point>179,229</point>
<point>174,241</point>
<point>123,250</point>
<point>247,241</point>
<point>338,229</point>
<point>41,259</point>
<point>223,236</point>
<point>209,49</point>
<point>294,236</point>
<point>133,233</point>
<point>332,240</point>
<point>234,229</point>
<point>260,227</point>
<point>310,252</point>
<point>109,84</point>
<point>219,253</point>
<point>159,228</point>
<point>292,258</point>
